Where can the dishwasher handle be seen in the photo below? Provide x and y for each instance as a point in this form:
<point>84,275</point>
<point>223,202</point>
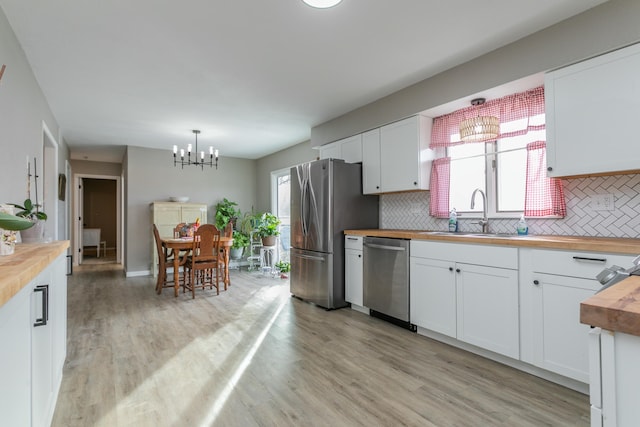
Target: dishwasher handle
<point>390,248</point>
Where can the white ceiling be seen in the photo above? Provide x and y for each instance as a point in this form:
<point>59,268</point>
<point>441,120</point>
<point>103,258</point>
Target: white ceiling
<point>253,75</point>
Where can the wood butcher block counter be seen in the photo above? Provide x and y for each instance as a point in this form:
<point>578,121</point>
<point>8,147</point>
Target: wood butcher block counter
<point>29,259</point>
<point>616,308</point>
<point>577,243</point>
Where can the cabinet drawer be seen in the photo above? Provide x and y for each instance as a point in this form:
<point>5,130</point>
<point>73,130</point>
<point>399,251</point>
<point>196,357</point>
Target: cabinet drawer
<point>487,255</point>
<point>576,263</point>
<point>353,242</point>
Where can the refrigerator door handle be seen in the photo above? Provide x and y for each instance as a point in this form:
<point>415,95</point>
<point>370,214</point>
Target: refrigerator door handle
<point>390,248</point>
<point>315,258</point>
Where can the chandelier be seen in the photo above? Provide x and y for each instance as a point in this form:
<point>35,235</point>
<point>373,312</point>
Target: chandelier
<point>479,128</point>
<point>196,161</point>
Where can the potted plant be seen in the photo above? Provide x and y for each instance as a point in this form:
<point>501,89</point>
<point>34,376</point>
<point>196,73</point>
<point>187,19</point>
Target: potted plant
<point>240,241</point>
<point>32,212</point>
<point>268,229</point>
<point>9,226</point>
<point>226,212</point>
<point>284,267</point>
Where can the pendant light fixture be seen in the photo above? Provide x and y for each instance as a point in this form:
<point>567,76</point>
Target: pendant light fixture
<point>196,161</point>
<point>479,128</point>
<point>322,4</point>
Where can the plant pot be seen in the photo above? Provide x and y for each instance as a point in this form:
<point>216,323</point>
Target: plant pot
<point>34,234</point>
<point>7,242</point>
<point>269,241</point>
<point>236,253</point>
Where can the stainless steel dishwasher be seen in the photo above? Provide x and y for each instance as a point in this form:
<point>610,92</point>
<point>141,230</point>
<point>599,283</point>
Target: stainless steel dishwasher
<point>386,279</point>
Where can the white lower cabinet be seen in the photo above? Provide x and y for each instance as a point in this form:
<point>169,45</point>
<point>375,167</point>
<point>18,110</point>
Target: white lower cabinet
<point>457,290</point>
<point>553,284</point>
<point>33,326</point>
<point>488,308</point>
<point>353,273</point>
<point>433,295</point>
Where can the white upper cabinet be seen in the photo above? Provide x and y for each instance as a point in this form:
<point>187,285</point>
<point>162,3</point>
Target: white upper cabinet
<point>371,161</point>
<point>404,157</point>
<point>592,109</point>
<point>331,151</point>
<point>348,149</point>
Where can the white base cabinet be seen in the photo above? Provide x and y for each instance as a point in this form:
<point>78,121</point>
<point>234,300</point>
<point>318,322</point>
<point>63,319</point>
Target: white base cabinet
<point>615,378</point>
<point>604,92</point>
<point>466,293</point>
<point>553,284</point>
<point>353,273</point>
<point>33,361</point>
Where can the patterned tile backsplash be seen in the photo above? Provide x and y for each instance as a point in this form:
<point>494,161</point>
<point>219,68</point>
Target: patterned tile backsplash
<point>411,211</point>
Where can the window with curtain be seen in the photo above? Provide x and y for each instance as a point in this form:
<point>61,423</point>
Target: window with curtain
<point>511,169</point>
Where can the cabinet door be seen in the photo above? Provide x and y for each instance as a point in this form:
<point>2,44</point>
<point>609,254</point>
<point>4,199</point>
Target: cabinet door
<point>191,213</point>
<point>591,115</point>
<point>15,360</point>
<point>167,214</point>
<point>352,149</point>
<point>405,158</point>
<point>371,162</point>
<point>488,308</point>
<point>58,316</point>
<point>353,276</point>
<point>331,151</point>
<point>42,391</point>
<point>433,295</point>
<point>561,341</point>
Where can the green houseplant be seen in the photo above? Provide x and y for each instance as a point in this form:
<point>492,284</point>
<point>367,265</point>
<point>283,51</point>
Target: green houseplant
<point>267,228</point>
<point>240,241</point>
<point>226,212</point>
<point>284,267</point>
<point>32,212</point>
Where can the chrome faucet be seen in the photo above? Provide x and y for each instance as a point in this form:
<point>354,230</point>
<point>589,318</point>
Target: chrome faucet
<point>484,222</point>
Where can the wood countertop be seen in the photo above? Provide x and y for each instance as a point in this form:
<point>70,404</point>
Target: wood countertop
<point>616,308</point>
<point>576,243</point>
<point>29,259</point>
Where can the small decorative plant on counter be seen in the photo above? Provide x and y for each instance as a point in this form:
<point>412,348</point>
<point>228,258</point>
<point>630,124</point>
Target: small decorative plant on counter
<point>9,227</point>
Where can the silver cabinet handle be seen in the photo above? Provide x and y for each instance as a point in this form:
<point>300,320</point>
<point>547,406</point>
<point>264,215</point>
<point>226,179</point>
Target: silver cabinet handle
<point>391,248</point>
<point>42,321</point>
<point>352,238</point>
<point>315,258</point>
<point>582,258</point>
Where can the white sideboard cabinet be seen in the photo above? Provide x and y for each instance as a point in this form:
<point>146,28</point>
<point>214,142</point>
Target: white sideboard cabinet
<point>166,215</point>
<point>592,109</point>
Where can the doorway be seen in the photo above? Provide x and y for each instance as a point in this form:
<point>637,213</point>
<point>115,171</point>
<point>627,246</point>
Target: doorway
<point>97,228</point>
<point>281,207</point>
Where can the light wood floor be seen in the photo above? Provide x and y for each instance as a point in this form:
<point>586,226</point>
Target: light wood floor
<point>254,356</point>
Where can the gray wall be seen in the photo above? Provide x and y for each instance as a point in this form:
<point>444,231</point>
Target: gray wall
<point>608,26</point>
<point>151,176</point>
<point>23,109</point>
<point>95,168</point>
<point>286,158</point>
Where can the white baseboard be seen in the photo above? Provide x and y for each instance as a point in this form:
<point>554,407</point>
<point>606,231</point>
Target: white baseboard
<point>138,273</point>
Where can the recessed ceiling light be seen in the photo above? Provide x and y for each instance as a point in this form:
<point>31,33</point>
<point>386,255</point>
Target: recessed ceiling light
<point>322,4</point>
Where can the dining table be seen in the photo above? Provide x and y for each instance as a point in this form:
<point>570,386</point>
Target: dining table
<point>185,244</point>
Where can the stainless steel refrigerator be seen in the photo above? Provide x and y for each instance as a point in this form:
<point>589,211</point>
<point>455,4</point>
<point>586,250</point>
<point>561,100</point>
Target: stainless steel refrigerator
<point>326,199</point>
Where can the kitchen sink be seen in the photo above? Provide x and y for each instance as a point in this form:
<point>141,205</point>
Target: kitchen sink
<point>468,234</point>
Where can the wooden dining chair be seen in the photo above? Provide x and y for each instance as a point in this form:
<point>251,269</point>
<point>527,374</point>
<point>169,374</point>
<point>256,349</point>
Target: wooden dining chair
<point>165,261</point>
<point>204,261</point>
